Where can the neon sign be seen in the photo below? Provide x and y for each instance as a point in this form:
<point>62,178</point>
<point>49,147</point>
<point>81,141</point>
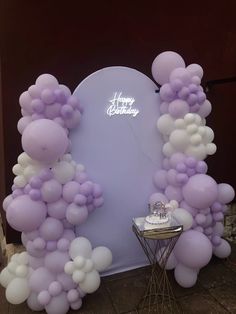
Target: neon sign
<point>121,106</point>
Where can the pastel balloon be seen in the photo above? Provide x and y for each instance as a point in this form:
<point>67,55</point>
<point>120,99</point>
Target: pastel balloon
<point>57,209</point>
<point>22,207</point>
<point>58,304</point>
<point>33,302</point>
<point>46,81</point>
<point>160,180</point>
<point>6,277</point>
<point>17,291</point>
<point>223,250</point>
<point>51,191</point>
<point>165,124</point>
<point>183,217</point>
<point>200,191</point>
<point>42,145</point>
<point>174,193</point>
<point>51,229</point>
<point>91,282</point>
<point>80,246</point>
<point>55,261</point>
<point>101,257</point>
<point>63,171</point>
<point>195,69</point>
<point>164,64</point>
<point>40,279</point>
<point>76,214</point>
<point>178,108</point>
<point>226,193</point>
<point>193,249</point>
<point>185,276</point>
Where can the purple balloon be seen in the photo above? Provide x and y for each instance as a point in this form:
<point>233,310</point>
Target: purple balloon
<point>33,302</point>
<point>40,279</point>
<point>53,111</point>
<point>160,180</point>
<point>24,214</point>
<point>166,93</point>
<point>178,108</point>
<point>185,276</point>
<point>98,202</point>
<point>205,109</point>
<point>218,216</point>
<point>226,193</point>
<point>164,108</point>
<point>193,249</point>
<point>44,140</point>
<point>164,64</point>
<point>66,281</point>
<point>51,229</point>
<point>181,74</point>
<point>55,261</point>
<point>70,190</point>
<point>200,219</point>
<point>86,188</point>
<point>171,177</point>
<point>58,304</point>
<point>223,250</point>
<point>176,158</point>
<point>57,209</point>
<point>80,200</point>
<point>200,191</point>
<point>51,191</point>
<point>174,193</point>
<point>201,167</point>
<point>97,190</point>
<point>181,167</point>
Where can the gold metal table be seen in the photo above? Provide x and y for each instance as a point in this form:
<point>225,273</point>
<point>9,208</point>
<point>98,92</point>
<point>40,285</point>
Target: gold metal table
<point>159,296</point>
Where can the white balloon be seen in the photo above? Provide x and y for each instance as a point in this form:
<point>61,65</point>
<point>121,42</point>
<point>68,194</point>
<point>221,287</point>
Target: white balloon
<point>189,118</point>
<point>211,148</point>
<point>22,271</point>
<point>183,217</point>
<point>17,170</point>
<point>180,124</point>
<point>17,291</point>
<point>78,276</point>
<point>69,268</point>
<point>88,266</point>
<point>208,136</point>
<point>12,267</point>
<point>67,157</point>
<point>91,282</point>
<point>192,128</point>
<point>79,261</point>
<point>63,171</point>
<point>80,168</point>
<point>196,139</point>
<point>102,258</point>
<point>6,277</point>
<point>31,170</point>
<point>199,152</point>
<point>23,159</point>
<point>20,181</point>
<point>195,70</point>
<point>80,247</point>
<point>174,204</point>
<point>179,139</point>
<point>165,124</point>
<point>168,149</point>
<point>23,258</point>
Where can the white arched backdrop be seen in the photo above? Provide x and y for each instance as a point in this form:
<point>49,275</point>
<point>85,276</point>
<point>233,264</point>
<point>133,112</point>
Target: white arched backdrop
<point>119,144</point>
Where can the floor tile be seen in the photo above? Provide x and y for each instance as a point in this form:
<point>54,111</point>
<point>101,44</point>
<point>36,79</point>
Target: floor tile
<point>126,292</point>
<point>199,304</point>
<point>226,295</point>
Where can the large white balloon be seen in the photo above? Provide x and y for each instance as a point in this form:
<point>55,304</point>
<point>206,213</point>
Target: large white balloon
<point>165,124</point>
<point>183,217</point>
<point>63,171</point>
<point>91,282</point>
<point>101,257</point>
<point>185,276</point>
<point>17,291</point>
<point>80,246</point>
<point>6,277</point>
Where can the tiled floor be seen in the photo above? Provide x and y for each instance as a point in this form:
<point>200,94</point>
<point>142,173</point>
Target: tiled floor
<point>215,292</point>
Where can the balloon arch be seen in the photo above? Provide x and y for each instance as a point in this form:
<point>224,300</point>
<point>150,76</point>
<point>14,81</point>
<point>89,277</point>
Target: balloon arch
<point>52,194</point>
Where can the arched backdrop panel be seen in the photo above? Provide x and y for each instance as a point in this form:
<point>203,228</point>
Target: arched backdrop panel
<point>121,152</point>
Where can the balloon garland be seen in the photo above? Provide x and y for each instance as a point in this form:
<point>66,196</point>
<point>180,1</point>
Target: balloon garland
<point>51,195</point>
<point>197,201</point>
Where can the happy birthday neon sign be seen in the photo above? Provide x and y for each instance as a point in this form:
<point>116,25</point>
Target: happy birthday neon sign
<point>121,106</point>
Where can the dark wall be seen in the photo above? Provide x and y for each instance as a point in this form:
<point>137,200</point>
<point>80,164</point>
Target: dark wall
<point>72,39</point>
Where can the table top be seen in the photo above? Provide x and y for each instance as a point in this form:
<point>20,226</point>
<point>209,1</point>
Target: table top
<point>158,231</point>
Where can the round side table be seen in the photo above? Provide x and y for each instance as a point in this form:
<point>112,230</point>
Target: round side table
<point>158,243</point>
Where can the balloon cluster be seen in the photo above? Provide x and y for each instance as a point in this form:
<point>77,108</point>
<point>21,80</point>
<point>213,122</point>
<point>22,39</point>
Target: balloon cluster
<point>51,195</point>
<point>197,201</point>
